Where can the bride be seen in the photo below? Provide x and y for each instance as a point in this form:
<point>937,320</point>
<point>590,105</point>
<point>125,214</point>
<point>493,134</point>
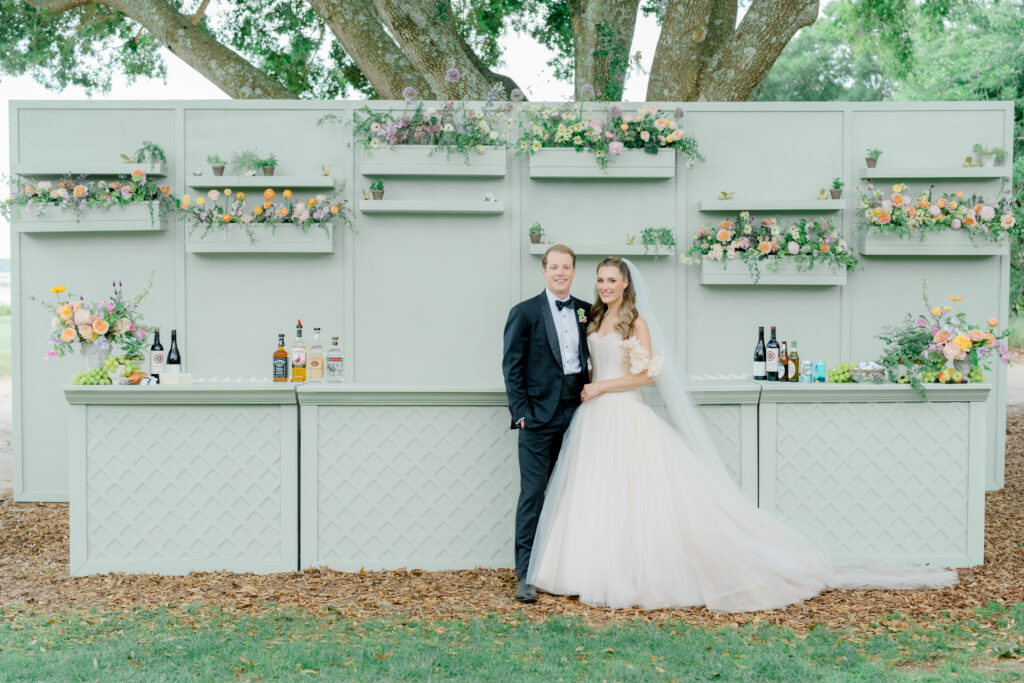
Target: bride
<point>639,514</point>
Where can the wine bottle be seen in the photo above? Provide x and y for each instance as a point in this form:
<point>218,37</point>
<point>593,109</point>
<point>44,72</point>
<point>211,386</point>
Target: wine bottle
<point>280,360</point>
<point>759,364</point>
<point>315,363</point>
<point>157,358</point>
<point>173,356</point>
<point>794,363</point>
<point>783,363</point>
<point>772,358</point>
<point>298,356</point>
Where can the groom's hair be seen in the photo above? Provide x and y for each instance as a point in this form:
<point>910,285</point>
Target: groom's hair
<point>561,249</point>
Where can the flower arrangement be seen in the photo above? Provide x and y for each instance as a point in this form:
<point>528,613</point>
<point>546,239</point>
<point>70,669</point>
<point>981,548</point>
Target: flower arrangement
<point>957,347</point>
<point>80,324</point>
<point>806,243</point>
<point>72,195</point>
<point>221,210</point>
<point>605,136</point>
<point>453,128</point>
<point>640,360</point>
<point>902,214</point>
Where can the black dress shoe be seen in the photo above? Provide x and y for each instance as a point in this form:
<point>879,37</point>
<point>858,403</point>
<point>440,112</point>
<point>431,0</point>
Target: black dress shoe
<point>525,592</point>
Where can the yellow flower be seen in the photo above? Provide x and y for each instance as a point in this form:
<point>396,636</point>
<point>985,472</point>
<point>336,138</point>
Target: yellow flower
<point>623,127</point>
<point>240,196</point>
<point>288,194</point>
<point>947,308</point>
<point>954,298</point>
<point>185,198</point>
<point>200,200</point>
<point>227,191</point>
<point>963,341</point>
<point>897,188</point>
<point>58,289</point>
<point>310,202</point>
<point>258,210</point>
<point>937,311</point>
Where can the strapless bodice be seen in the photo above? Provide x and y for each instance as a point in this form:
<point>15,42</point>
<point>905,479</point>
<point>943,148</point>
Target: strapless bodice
<point>608,357</point>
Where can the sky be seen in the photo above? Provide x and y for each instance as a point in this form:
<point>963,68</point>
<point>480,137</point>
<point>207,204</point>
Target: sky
<point>529,69</point>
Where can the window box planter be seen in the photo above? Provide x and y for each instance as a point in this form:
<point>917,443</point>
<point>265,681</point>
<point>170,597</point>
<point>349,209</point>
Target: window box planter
<point>602,250</point>
<point>823,274</point>
<point>140,217</point>
<point>923,172</point>
<point>243,182</point>
<point>737,205</point>
<point>426,206</point>
<point>944,243</point>
<point>284,240</point>
<point>96,169</point>
<point>415,160</point>
<point>630,164</point>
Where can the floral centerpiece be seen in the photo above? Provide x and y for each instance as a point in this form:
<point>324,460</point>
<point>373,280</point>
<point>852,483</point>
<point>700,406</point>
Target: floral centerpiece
<point>806,243</point>
<point>903,214</point>
<point>72,195</point>
<point>605,135</point>
<point>94,327</point>
<point>221,211</point>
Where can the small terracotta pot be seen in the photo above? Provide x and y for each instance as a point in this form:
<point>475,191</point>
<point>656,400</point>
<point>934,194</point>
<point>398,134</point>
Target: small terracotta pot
<point>218,170</point>
<point>377,194</point>
<point>836,194</point>
<point>534,238</point>
<point>871,162</point>
<point>268,170</point>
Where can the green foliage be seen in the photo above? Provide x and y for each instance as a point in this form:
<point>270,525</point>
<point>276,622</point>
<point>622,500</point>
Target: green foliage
<point>904,343</point>
<point>536,229</point>
<point>837,183</point>
<point>216,160</point>
<point>998,152</point>
<point>246,160</point>
<point>377,184</point>
<point>268,161</point>
<point>150,152</point>
<point>653,238</point>
<point>874,153</point>
<point>1016,329</point>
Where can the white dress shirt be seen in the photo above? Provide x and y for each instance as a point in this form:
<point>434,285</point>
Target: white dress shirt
<point>568,329</point>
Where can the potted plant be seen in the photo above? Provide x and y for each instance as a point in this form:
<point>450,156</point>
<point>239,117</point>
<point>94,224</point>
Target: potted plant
<point>990,156</point>
<point>269,164</point>
<point>837,188</point>
<point>655,238</point>
<point>216,163</point>
<point>536,233</point>
<point>150,152</point>
<point>377,188</point>
<point>872,158</point>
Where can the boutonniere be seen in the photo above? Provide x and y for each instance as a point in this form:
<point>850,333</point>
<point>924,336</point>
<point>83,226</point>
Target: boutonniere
<point>581,315</point>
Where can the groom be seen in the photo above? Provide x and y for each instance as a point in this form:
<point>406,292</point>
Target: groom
<point>545,368</point>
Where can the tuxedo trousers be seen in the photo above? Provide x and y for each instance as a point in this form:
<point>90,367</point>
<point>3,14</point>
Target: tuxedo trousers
<point>538,452</point>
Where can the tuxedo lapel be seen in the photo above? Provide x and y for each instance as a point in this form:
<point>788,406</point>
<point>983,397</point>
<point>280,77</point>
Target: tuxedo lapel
<point>549,326</point>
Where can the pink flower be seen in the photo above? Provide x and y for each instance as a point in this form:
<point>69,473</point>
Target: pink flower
<point>793,247</point>
<point>921,322</point>
<point>610,136</point>
<point>955,224</point>
<point>645,136</point>
<point>987,213</point>
<point>615,147</point>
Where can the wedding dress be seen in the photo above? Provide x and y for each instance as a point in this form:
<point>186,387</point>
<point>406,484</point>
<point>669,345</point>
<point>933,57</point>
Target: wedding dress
<point>635,516</point>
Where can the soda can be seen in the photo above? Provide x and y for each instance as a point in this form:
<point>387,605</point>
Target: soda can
<point>805,371</point>
<point>819,371</point>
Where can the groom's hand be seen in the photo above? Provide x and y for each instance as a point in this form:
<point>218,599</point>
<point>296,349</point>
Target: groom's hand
<point>522,423</point>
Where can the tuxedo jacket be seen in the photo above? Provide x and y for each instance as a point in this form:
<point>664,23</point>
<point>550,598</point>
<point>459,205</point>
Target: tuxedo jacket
<point>532,361</point>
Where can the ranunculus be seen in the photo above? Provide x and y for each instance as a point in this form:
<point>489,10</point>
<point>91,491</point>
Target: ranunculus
<point>992,322</point>
<point>1008,221</point>
<point>79,190</point>
<point>941,337</point>
<point>213,194</point>
<point>765,248</point>
<point>645,136</point>
<point>724,235</point>
<point>615,147</point>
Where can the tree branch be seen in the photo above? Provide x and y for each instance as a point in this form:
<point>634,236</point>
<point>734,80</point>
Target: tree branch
<point>357,26</point>
<point>602,32</point>
<point>198,16</point>
<point>195,45</point>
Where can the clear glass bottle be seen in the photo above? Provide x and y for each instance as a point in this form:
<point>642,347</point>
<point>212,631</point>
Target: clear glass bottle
<point>335,362</point>
<point>315,361</point>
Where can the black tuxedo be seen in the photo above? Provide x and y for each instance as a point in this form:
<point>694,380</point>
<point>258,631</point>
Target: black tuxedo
<point>539,391</point>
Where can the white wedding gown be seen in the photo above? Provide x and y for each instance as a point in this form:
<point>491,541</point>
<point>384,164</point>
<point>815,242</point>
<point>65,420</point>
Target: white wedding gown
<point>632,517</point>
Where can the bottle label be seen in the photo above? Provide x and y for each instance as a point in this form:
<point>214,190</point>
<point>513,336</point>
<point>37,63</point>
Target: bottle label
<point>280,368</point>
<point>299,356</point>
<point>157,360</point>
<point>759,369</point>
<point>316,365</point>
<point>791,370</point>
<point>172,369</point>
<point>772,359</point>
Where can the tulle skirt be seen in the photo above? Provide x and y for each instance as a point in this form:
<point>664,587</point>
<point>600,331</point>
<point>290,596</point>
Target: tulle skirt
<point>632,517</point>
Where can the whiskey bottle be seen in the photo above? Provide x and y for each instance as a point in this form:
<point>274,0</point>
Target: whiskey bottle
<point>759,365</point>
<point>173,356</point>
<point>772,358</point>
<point>315,364</point>
<point>783,364</point>
<point>298,356</point>
<point>794,363</point>
<point>335,362</point>
<point>280,361</point>
<point>157,358</point>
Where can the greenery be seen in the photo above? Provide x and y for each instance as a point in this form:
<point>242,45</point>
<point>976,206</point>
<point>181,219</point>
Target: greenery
<point>905,344</point>
<point>268,161</point>
<point>246,160</point>
<point>150,152</point>
<point>837,183</point>
<point>1016,329</point>
<point>216,160</point>
<point>899,213</point>
<point>76,195</point>
<point>874,153</point>
<point>377,185</point>
<point>998,152</point>
<point>536,229</point>
<point>653,238</point>
<point>206,643</point>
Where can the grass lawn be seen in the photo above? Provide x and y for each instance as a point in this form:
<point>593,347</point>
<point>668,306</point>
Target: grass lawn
<point>209,644</point>
<point>5,344</point>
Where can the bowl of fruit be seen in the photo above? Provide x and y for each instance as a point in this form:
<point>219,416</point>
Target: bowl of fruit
<point>869,372</point>
<point>839,374</point>
<point>115,370</point>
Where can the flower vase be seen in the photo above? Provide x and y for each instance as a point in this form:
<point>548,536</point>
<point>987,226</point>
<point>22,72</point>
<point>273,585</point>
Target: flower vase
<point>963,365</point>
<point>96,353</point>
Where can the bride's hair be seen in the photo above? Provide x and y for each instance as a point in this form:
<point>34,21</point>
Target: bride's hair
<point>627,310</point>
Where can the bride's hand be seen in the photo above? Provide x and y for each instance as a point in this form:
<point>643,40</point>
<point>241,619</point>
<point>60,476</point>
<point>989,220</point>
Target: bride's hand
<point>591,391</point>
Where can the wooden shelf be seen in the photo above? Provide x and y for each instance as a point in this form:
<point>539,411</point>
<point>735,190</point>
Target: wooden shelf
<point>427,206</point>
<point>284,240</point>
<point>923,172</point>
<point>131,218</point>
<point>803,205</point>
<point>735,272</point>
<point>219,182</point>
<point>417,161</point>
<point>943,243</point>
<point>608,250</point>
<point>93,169</point>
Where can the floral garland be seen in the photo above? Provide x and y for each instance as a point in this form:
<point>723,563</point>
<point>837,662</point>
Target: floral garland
<point>568,126</point>
<point>223,210</point>
<point>76,195</point>
<point>806,243</point>
<point>905,216</point>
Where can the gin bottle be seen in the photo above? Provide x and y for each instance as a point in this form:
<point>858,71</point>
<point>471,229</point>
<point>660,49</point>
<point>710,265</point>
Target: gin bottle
<point>335,362</point>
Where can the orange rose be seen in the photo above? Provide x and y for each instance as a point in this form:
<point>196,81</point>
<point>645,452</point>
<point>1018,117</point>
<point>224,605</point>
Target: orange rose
<point>884,218</point>
<point>911,211</point>
<point>68,335</point>
<point>287,194</point>
<point>923,203</point>
<point>823,247</point>
<point>226,218</point>
<point>334,208</point>
<point>284,211</point>
<point>765,247</point>
<point>101,326</point>
<point>991,339</point>
<point>724,235</point>
<point>960,194</point>
<point>970,222</point>
<point>268,193</point>
<point>941,203</point>
<point>897,199</point>
<point>725,225</point>
<point>623,127</point>
<point>973,335</point>
<point>165,189</point>
<point>992,322</point>
<point>266,204</point>
<point>941,337</point>
<point>79,190</point>
<point>978,208</point>
<point>258,210</point>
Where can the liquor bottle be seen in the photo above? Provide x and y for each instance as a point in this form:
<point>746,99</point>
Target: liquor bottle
<point>759,366</point>
<point>157,358</point>
<point>794,363</point>
<point>173,356</point>
<point>335,362</point>
<point>783,364</point>
<point>280,361</point>
<point>772,358</point>
<point>315,364</point>
<point>298,356</point>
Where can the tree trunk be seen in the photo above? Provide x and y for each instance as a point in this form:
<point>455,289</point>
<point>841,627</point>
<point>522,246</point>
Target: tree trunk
<point>691,33</point>
<point>357,26</point>
<point>602,36</point>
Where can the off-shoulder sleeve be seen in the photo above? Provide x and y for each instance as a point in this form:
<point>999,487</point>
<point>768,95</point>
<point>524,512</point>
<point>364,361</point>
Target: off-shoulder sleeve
<point>640,361</point>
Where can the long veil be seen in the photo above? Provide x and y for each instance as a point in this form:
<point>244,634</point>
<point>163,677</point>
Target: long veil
<point>689,423</point>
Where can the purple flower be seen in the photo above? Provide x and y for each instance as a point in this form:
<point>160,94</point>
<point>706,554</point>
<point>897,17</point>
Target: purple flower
<point>409,93</point>
<point>587,92</point>
<point>614,111</point>
<point>743,243</point>
<point>517,95</point>
<point>452,75</point>
<point>679,112</point>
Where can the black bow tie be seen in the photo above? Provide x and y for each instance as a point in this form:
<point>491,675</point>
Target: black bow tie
<point>563,304</point>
